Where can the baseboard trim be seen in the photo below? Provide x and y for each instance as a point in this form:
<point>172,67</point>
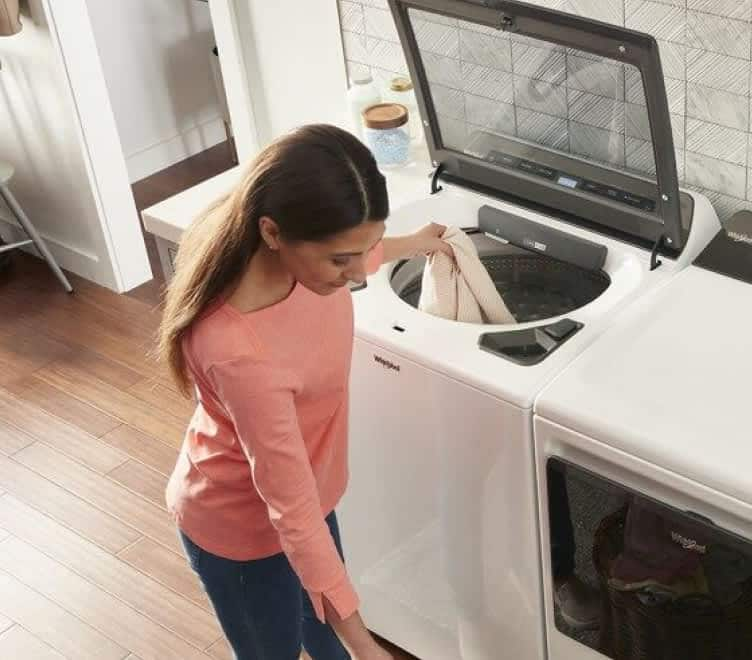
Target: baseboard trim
<point>158,156</point>
<point>70,258</point>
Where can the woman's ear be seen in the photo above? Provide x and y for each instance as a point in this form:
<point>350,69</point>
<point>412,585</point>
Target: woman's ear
<point>269,232</point>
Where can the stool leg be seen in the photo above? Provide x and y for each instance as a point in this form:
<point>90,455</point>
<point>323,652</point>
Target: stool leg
<point>24,221</point>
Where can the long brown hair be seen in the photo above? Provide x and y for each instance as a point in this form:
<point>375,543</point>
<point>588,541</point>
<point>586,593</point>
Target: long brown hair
<point>314,182</point>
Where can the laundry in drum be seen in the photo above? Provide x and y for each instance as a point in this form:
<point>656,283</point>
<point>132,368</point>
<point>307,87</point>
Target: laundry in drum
<point>505,281</point>
<point>666,556</point>
<point>461,289</point>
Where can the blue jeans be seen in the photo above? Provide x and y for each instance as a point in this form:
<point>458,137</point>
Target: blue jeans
<point>263,609</point>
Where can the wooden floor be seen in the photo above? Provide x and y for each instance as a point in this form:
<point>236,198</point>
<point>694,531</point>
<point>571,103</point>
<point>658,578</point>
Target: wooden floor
<point>90,426</point>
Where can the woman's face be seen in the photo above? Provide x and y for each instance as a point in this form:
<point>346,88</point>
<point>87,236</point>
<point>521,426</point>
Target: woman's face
<point>326,266</point>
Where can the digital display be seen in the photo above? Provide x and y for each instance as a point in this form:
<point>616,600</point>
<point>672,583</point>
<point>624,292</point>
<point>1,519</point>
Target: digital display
<point>566,181</point>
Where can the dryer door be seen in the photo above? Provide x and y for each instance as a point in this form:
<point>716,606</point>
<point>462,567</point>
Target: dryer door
<point>439,521</point>
<point>671,561</point>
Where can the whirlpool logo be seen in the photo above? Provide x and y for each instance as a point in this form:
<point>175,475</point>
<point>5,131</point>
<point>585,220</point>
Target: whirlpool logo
<point>387,364</point>
<point>534,245</point>
<point>688,544</point>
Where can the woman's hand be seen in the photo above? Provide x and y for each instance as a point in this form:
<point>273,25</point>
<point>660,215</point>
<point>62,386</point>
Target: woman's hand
<point>426,240</point>
<point>353,632</point>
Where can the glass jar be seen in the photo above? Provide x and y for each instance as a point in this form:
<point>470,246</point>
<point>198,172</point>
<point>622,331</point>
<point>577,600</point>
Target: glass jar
<point>387,133</point>
<point>362,94</point>
<point>401,91</point>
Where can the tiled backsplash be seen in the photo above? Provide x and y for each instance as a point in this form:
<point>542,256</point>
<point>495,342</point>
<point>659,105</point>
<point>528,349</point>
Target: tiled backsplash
<point>706,52</point>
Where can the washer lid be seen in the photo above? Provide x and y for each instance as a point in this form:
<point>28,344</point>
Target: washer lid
<point>549,109</point>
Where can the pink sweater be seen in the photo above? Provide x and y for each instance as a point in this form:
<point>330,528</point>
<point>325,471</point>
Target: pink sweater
<point>264,459</point>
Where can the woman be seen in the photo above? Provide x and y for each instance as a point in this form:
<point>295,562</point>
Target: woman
<point>258,323</point>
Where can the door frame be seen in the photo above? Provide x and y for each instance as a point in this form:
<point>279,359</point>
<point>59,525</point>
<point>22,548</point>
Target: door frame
<point>73,39</point>
<point>232,55</point>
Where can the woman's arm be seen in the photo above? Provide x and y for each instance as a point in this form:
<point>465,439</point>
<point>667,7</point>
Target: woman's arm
<point>353,632</point>
<point>263,413</point>
<point>424,241</point>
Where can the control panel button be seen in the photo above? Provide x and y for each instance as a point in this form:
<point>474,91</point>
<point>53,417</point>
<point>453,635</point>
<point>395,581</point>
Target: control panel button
<point>593,187</point>
<point>632,200</point>
<point>538,170</point>
<point>503,159</point>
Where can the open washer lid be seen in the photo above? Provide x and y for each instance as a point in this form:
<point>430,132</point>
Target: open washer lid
<point>552,111</point>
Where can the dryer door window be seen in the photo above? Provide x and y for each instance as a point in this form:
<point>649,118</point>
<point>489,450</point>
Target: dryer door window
<point>636,578</point>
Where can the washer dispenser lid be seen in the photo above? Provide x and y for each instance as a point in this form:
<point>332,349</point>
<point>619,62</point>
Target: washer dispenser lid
<point>550,110</point>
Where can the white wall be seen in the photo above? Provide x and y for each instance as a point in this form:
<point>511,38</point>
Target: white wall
<point>156,60</point>
<point>293,60</point>
<point>58,132</point>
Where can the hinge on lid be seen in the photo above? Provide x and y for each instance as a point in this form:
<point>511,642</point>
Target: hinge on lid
<point>435,187</point>
<point>654,260</point>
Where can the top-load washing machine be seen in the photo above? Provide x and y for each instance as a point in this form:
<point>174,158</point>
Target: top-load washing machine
<point>440,519</point>
<point>657,467</point>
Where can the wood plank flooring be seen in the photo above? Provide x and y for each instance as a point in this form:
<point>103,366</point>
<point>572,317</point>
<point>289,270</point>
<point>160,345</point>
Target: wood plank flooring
<point>90,427</point>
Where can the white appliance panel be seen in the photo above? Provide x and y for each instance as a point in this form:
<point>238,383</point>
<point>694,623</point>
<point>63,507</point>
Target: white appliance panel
<point>442,474</point>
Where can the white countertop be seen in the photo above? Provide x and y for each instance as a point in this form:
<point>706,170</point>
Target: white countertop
<point>169,218</point>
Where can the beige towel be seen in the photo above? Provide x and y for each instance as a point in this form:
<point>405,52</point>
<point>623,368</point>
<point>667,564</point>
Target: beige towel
<point>461,289</point>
